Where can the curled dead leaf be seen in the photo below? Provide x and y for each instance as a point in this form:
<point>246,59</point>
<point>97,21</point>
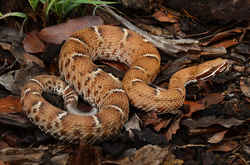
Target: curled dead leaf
<point>224,147</point>
<point>207,121</point>
<point>2,163</point>
<point>218,137</point>
<point>153,155</point>
<point>10,104</point>
<point>85,154</point>
<point>133,124</point>
<point>175,125</point>
<point>245,86</point>
<point>33,44</point>
<point>58,33</point>
<point>5,46</point>
<point>29,59</point>
<point>162,17</point>
<point>223,35</point>
<point>226,43</point>
<point>211,99</point>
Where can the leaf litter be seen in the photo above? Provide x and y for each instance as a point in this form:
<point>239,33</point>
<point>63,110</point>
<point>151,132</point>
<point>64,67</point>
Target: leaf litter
<point>207,123</point>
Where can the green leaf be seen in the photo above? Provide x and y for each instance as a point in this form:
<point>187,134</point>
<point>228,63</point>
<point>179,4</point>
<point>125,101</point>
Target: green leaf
<point>71,7</point>
<point>93,2</point>
<point>13,14</point>
<point>51,3</point>
<point>43,1</point>
<point>33,4</point>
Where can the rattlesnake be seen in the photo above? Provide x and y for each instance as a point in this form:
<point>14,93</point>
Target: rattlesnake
<point>109,97</point>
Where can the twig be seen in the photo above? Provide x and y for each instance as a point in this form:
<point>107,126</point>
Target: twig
<point>170,46</point>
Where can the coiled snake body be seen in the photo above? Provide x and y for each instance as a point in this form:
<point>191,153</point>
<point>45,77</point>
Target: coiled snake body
<point>109,97</point>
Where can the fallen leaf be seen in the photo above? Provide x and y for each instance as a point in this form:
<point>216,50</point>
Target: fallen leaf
<point>23,154</point>
<point>207,121</point>
<point>162,17</point>
<point>246,149</point>
<point>218,137</point>
<point>193,107</point>
<point>86,154</point>
<point>133,124</point>
<point>224,147</point>
<point>175,125</point>
<point>223,35</point>
<point>14,80</point>
<point>213,98</point>
<point>15,119</point>
<point>30,155</point>
<point>226,43</point>
<point>58,33</point>
<point>10,104</point>
<point>248,100</point>
<point>61,159</point>
<point>29,59</point>
<point>2,163</point>
<point>150,118</point>
<point>245,86</point>
<point>153,155</point>
<point>203,131</point>
<point>32,43</point>
<point>3,144</point>
<point>5,46</point>
<point>162,124</point>
<point>243,48</point>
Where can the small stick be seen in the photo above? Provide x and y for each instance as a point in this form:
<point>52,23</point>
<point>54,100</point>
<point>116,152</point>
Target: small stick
<point>170,46</point>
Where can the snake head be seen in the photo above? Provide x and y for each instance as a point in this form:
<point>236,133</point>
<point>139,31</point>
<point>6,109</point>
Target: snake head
<point>212,68</point>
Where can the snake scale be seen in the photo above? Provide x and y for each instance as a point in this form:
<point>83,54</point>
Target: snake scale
<point>108,95</point>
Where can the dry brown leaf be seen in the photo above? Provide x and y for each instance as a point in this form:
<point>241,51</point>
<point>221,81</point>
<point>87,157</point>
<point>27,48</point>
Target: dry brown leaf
<point>173,129</point>
<point>213,98</point>
<point>203,131</point>
<point>223,35</point>
<point>247,99</point>
<point>207,121</point>
<point>246,149</point>
<point>162,124</point>
<point>226,43</point>
<point>224,147</point>
<point>58,33</point>
<point>29,59</point>
<point>3,144</point>
<point>32,43</point>
<point>23,154</point>
<point>151,155</point>
<point>5,46</point>
<point>162,17</point>
<point>218,137</point>
<point>10,104</point>
<point>2,163</point>
<point>245,86</point>
<point>150,118</point>
<point>86,154</point>
<point>193,107</point>
<point>133,124</point>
